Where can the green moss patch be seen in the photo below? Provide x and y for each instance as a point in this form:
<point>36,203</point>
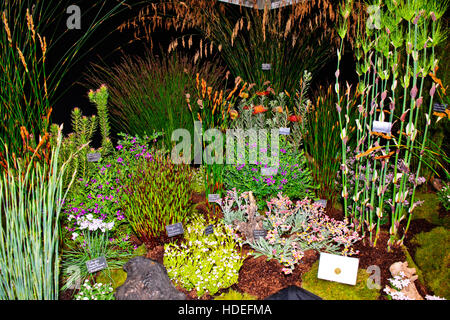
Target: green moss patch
<point>116,277</point>
<point>329,290</point>
<point>433,258</point>
<point>429,210</point>
<point>235,295</point>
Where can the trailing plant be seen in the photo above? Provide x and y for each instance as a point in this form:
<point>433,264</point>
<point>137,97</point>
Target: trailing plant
<point>97,291</point>
<point>148,94</point>
<point>30,204</point>
<point>156,196</point>
<point>399,30</point>
<point>206,263</point>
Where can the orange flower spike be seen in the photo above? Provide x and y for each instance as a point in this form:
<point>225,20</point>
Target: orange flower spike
<point>287,93</point>
<point>203,88</point>
<point>215,97</point>
<point>209,92</point>
<point>437,80</point>
<point>199,118</point>
<point>221,97</point>
<point>198,81</point>
<point>367,152</point>
<point>242,89</point>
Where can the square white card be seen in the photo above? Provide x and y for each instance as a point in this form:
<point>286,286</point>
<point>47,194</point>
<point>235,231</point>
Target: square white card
<point>338,268</point>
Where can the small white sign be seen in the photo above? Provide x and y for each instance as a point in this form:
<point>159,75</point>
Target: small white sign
<point>322,203</point>
<point>213,197</point>
<point>285,131</point>
<point>270,171</point>
<point>338,268</point>
<point>383,127</point>
<point>266,66</point>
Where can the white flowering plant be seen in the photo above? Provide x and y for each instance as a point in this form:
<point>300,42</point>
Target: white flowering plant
<point>444,196</point>
<point>400,282</point>
<point>97,291</point>
<point>206,263</point>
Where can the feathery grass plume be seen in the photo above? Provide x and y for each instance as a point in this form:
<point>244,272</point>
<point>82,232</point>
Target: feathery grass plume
<point>292,38</point>
<point>31,198</point>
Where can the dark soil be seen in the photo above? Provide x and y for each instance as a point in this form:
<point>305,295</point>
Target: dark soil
<point>67,294</point>
<point>262,278</point>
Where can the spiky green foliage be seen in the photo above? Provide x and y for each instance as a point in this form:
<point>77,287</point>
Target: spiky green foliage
<point>395,53</point>
<point>77,143</point>
<point>31,199</point>
<point>156,196</point>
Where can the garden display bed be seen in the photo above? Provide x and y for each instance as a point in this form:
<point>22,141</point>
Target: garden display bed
<point>224,152</point>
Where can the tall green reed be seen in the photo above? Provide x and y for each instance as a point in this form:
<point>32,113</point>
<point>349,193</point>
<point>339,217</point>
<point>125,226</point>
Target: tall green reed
<point>322,142</point>
<point>33,65</point>
<point>31,199</point>
<point>399,32</point>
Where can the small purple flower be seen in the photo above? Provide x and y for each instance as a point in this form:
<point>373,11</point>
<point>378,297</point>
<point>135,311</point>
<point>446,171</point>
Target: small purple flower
<point>120,160</point>
<point>119,147</point>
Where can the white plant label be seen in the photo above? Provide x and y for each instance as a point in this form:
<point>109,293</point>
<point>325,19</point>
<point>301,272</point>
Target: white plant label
<point>338,268</point>
<point>270,171</point>
<point>285,131</point>
<point>383,127</point>
<point>266,66</point>
<point>321,202</point>
<point>213,197</point>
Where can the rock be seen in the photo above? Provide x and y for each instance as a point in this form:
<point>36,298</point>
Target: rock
<point>147,280</point>
<point>437,184</point>
<point>409,273</point>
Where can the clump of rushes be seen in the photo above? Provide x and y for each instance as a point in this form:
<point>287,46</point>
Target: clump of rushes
<point>206,263</point>
<point>394,60</point>
<point>148,93</point>
<point>97,291</point>
<point>156,196</point>
<point>322,143</point>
